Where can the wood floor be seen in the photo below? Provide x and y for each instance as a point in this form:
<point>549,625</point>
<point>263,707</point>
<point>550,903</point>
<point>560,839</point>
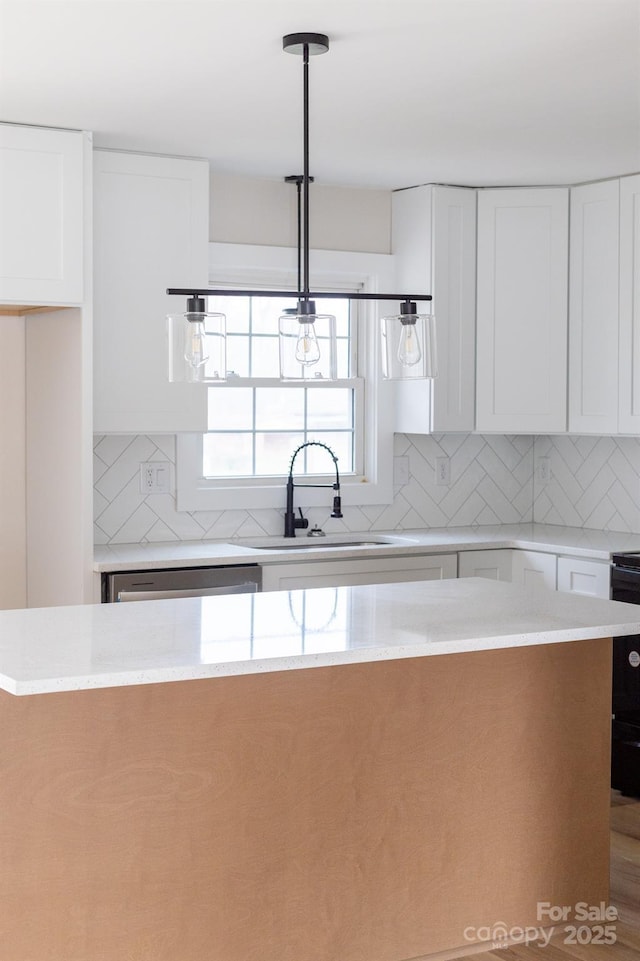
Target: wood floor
<point>625,896</point>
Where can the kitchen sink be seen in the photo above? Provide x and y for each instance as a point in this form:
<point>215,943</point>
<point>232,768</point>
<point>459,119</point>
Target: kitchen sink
<point>313,543</point>
<point>320,542</point>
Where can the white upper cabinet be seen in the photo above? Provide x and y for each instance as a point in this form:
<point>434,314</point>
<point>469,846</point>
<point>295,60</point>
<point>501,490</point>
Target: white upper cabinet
<point>41,215</point>
<point>434,243</point>
<point>151,231</point>
<point>629,412</point>
<point>593,308</point>
<point>522,310</point>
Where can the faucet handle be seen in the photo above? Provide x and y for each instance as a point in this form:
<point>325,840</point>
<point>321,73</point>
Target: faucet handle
<point>301,522</point>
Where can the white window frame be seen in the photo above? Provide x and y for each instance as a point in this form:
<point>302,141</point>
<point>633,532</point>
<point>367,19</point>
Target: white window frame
<point>248,265</point>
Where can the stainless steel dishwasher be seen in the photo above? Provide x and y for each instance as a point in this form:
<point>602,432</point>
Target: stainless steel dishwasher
<point>180,582</point>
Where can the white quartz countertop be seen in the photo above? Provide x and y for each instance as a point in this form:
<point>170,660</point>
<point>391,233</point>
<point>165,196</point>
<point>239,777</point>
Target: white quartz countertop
<point>577,542</point>
<point>112,645</point>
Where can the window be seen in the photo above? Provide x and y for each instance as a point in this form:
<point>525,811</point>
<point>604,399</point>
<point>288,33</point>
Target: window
<point>261,421</point>
<point>256,421</point>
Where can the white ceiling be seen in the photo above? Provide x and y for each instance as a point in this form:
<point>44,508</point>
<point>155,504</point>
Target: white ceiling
<point>412,91</point>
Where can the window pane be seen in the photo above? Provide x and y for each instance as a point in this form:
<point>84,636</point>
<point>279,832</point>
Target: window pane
<point>343,358</point>
<point>265,360</point>
<point>238,355</point>
<point>230,409</point>
<point>273,452</point>
<point>341,311</point>
<point>328,409</point>
<point>266,312</point>
<point>236,310</point>
<point>319,462</point>
<point>227,455</point>
<point>279,408</point>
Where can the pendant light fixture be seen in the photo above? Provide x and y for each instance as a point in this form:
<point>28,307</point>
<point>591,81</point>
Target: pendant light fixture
<point>307,338</point>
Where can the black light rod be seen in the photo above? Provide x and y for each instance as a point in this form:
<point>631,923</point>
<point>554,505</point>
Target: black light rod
<point>305,178</point>
<point>320,295</point>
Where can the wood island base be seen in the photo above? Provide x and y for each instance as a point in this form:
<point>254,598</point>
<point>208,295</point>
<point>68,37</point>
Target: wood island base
<point>369,812</point>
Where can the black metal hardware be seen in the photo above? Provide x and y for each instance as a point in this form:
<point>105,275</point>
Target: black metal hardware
<point>293,523</point>
<point>305,45</point>
<point>328,294</point>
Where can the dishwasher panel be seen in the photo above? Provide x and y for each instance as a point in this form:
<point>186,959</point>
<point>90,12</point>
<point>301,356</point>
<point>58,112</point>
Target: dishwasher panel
<point>180,582</point>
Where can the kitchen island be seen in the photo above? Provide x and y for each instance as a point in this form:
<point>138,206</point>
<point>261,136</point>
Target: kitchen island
<point>354,774</point>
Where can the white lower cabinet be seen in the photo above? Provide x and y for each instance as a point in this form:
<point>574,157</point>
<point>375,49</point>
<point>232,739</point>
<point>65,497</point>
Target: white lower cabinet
<point>379,570</point>
<point>578,576</point>
<point>534,570</point>
<point>492,564</point>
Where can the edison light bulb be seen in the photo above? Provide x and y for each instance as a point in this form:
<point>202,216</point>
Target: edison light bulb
<point>195,348</point>
<point>409,352</point>
<point>307,348</point>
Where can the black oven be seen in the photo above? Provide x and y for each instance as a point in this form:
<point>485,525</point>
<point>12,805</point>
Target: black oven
<point>625,701</point>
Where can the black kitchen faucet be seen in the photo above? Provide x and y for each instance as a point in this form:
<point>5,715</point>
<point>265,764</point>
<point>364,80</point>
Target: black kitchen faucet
<point>293,523</point>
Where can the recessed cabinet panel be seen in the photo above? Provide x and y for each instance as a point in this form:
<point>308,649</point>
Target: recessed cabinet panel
<point>151,226</point>
<point>629,412</point>
<point>383,570</point>
<point>494,565</point>
<point>593,308</point>
<point>522,310</point>
<point>434,242</point>
<point>534,570</point>
<point>578,576</point>
<point>41,219</point>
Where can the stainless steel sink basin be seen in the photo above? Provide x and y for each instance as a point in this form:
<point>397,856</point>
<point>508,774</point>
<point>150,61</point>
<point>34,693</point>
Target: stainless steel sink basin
<point>314,543</point>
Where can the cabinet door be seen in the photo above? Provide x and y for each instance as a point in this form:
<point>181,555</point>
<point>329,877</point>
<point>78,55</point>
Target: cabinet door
<point>522,310</point>
<point>493,564</point>
<point>434,242</point>
<point>151,224</point>
<point>41,225</point>
<point>593,308</point>
<point>534,569</point>
<point>578,576</point>
<point>383,570</point>
<point>629,413</point>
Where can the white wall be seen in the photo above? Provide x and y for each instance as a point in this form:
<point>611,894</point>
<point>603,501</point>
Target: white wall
<point>13,553</point>
<point>491,483</point>
<point>248,210</point>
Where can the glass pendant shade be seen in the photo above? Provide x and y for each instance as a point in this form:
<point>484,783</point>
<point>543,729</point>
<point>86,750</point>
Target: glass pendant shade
<point>409,345</point>
<point>307,344</point>
<point>197,345</point>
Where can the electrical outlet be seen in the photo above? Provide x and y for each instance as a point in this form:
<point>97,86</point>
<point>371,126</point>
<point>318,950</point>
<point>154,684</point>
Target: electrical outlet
<point>155,477</point>
<point>400,471</point>
<point>443,471</point>
<point>543,469</point>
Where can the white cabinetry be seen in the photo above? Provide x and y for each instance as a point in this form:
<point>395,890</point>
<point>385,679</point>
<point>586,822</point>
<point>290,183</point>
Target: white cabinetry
<point>629,417</point>
<point>534,570</point>
<point>151,219</point>
<point>381,570</point>
<point>41,221</point>
<point>522,310</point>
<point>493,564</point>
<point>578,576</point>
<point>434,243</point>
<point>593,308</point>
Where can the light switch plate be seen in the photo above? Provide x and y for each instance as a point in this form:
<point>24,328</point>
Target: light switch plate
<point>443,471</point>
<point>155,477</point>
<point>543,469</point>
<point>400,471</point>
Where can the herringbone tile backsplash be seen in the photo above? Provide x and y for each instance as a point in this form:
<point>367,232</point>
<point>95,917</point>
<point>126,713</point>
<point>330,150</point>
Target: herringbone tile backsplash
<point>594,482</point>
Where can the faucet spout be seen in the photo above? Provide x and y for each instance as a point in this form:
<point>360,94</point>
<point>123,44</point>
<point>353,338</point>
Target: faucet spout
<point>293,523</point>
